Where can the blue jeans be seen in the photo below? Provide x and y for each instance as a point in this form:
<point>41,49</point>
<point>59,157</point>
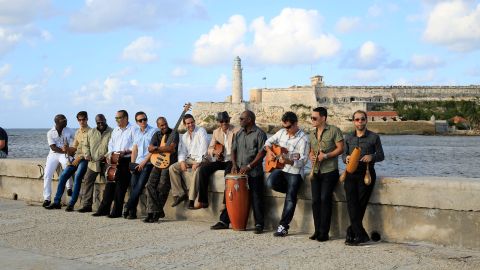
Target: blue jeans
<point>289,184</point>
<point>79,172</point>
<point>137,183</point>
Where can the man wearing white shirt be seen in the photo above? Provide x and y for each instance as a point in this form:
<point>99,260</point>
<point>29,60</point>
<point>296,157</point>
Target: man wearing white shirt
<point>289,179</point>
<point>59,137</point>
<point>121,142</point>
<point>192,149</point>
<point>140,161</point>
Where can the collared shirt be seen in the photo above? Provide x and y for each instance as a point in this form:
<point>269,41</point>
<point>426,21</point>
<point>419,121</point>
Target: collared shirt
<point>122,139</point>
<point>194,147</point>
<point>157,141</point>
<point>246,146</point>
<point>96,147</point>
<point>296,144</point>
<point>142,140</point>
<point>328,139</point>
<point>369,144</point>
<point>223,138</point>
<point>80,140</point>
<point>59,139</point>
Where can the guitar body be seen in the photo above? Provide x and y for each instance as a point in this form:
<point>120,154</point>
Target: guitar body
<point>161,160</point>
<point>273,163</point>
<point>219,148</point>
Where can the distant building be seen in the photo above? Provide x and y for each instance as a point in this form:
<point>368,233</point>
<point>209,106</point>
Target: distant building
<point>382,116</point>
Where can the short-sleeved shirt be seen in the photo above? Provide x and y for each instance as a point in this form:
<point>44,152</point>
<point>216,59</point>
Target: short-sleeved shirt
<point>142,140</point>
<point>4,137</point>
<point>157,140</point>
<point>247,145</point>
<point>59,140</point>
<point>328,139</point>
<point>80,141</point>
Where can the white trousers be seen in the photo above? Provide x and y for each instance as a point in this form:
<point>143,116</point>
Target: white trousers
<point>53,159</point>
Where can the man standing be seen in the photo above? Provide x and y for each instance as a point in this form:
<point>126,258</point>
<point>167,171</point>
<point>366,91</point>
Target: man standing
<point>158,185</point>
<point>121,142</point>
<point>141,160</point>
<point>78,166</point>
<point>191,152</point>
<point>220,157</point>
<point>58,138</point>
<point>3,143</point>
<point>326,144</point>
<point>357,192</point>
<point>289,179</point>
<point>96,148</point>
<point>247,156</point>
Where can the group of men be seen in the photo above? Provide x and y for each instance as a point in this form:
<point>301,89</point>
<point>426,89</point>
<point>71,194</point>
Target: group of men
<point>192,161</point>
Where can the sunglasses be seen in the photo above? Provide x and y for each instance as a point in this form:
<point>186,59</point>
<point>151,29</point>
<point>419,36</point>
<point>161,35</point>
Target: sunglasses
<point>101,123</point>
<point>313,118</point>
<point>359,119</point>
<point>223,121</point>
<point>242,118</point>
<point>82,119</point>
<point>142,120</point>
<point>118,117</point>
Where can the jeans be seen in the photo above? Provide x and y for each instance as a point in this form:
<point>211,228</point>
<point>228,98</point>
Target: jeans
<point>358,194</point>
<point>289,184</point>
<point>323,185</point>
<point>137,183</point>
<point>204,177</point>
<point>79,172</point>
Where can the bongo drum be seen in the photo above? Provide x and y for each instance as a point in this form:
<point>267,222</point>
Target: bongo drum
<point>237,200</point>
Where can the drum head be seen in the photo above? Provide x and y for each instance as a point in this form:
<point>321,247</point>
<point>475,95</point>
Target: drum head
<point>236,176</point>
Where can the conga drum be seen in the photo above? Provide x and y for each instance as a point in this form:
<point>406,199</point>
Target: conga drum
<point>237,200</point>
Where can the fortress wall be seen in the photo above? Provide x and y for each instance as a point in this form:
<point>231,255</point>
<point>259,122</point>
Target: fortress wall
<point>295,95</point>
<point>409,209</point>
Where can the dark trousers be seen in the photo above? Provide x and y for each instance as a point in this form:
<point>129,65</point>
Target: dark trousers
<point>204,177</point>
<point>158,186</point>
<point>323,185</point>
<point>257,188</point>
<point>88,187</point>
<point>137,183</point>
<point>289,184</point>
<point>115,191</point>
<point>358,194</point>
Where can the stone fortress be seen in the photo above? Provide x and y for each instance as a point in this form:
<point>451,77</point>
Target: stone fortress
<point>341,101</point>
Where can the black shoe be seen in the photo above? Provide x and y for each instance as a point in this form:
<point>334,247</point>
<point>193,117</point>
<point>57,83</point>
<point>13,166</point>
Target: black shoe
<point>85,209</point>
<point>161,214</point>
<point>350,236</point>
<point>132,215</point>
<point>322,237</point>
<point>258,229</point>
<point>178,200</point>
<point>357,241</point>
<point>69,208</point>
<point>69,192</point>
<point>54,206</point>
<point>149,218</point>
<point>281,231</point>
<point>219,226</point>
<point>125,213</point>
<point>114,216</point>
<point>191,205</point>
<point>99,214</point>
<point>46,203</point>
<point>313,236</point>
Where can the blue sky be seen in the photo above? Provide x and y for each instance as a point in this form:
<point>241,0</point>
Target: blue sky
<point>102,56</point>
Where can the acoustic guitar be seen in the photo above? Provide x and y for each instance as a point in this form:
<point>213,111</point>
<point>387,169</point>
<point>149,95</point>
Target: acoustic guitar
<point>162,160</point>
<point>274,163</point>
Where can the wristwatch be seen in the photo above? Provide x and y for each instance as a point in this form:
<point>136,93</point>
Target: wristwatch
<point>248,166</point>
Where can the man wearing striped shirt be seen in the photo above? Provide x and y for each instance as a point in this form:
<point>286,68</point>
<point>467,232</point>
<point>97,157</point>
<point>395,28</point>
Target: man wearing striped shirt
<point>289,179</point>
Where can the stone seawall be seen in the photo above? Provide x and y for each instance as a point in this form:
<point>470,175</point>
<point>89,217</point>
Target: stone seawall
<point>444,211</point>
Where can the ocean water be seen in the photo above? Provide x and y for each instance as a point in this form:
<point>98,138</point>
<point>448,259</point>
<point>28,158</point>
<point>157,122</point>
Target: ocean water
<point>405,155</point>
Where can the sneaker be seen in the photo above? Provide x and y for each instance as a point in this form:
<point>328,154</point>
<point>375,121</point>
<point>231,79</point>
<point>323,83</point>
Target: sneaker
<point>69,192</point>
<point>281,231</point>
<point>219,226</point>
<point>54,206</point>
<point>46,203</point>
<point>258,229</point>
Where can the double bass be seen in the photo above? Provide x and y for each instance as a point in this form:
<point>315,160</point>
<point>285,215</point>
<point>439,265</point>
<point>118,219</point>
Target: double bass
<point>162,160</point>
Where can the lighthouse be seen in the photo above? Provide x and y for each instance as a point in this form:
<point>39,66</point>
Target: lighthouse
<point>237,85</point>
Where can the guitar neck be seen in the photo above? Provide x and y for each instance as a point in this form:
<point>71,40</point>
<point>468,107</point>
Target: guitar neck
<point>175,129</point>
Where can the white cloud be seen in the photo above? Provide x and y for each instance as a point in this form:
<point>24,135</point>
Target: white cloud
<point>141,50</point>
<point>347,24</point>
<point>222,83</point>
<point>425,62</point>
<point>8,40</point>
<point>368,56</point>
<point>67,71</point>
<point>221,43</point>
<point>292,37</point>
<point>6,91</point>
<point>4,70</point>
<point>375,10</point>
<point>26,96</point>
<point>102,16</point>
<point>19,12</point>
<point>454,24</point>
<point>179,72</point>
